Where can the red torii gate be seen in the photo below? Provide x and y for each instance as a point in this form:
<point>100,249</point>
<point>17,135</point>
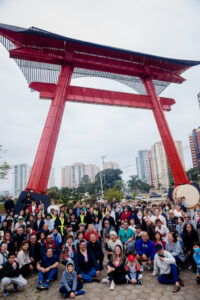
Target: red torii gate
<point>49,61</point>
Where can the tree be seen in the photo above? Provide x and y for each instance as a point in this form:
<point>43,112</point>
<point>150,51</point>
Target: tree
<point>112,193</point>
<point>110,175</point>
<point>193,174</point>
<point>53,192</point>
<point>4,167</point>
<point>85,179</point>
<point>133,183</point>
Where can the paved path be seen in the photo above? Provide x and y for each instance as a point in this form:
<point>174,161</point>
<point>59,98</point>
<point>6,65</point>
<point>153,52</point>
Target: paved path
<point>150,290</point>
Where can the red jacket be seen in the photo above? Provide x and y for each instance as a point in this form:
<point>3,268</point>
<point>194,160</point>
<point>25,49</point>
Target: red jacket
<point>30,209</point>
<point>125,216</point>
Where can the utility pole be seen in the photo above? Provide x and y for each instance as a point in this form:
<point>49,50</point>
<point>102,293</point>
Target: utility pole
<point>101,185</point>
<point>104,178</point>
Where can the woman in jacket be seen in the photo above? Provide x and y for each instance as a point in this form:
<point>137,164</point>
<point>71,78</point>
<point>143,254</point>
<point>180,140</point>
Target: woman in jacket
<point>116,268</point>
<point>189,237</point>
<point>174,247</point>
<point>24,260</point>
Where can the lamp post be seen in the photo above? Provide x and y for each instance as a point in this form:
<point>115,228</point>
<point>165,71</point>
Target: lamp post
<point>101,185</point>
<point>104,179</point>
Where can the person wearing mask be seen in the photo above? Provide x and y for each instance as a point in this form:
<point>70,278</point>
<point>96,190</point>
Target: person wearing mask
<point>139,220</point>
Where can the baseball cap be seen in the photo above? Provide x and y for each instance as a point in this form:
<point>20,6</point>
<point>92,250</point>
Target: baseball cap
<point>131,257</point>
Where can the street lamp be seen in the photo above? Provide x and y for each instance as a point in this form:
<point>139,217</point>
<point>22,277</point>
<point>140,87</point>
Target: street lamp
<point>104,179</point>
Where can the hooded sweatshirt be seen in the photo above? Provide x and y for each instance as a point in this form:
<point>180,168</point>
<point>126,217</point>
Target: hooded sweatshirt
<point>69,280</point>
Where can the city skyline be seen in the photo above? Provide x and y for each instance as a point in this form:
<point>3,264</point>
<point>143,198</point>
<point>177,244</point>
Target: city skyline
<point>88,131</point>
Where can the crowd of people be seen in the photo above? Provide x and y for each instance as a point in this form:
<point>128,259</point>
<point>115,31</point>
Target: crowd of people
<point>124,238</point>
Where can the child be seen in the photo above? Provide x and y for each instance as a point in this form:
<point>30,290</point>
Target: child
<point>196,256</point>
<point>133,271</point>
<point>69,286</point>
<point>68,250</point>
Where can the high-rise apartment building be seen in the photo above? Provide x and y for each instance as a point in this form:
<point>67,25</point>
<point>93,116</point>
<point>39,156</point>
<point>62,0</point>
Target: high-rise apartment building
<point>21,176</point>
<point>143,166</point>
<point>51,182</point>
<point>110,165</point>
<point>72,175</point>
<point>194,139</point>
<point>161,172</point>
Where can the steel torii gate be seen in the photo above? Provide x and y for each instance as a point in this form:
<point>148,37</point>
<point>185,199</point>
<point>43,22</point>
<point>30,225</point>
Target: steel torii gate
<point>49,62</point>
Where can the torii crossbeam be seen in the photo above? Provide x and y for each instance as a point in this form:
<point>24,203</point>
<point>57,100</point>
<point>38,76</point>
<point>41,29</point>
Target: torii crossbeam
<point>49,62</point>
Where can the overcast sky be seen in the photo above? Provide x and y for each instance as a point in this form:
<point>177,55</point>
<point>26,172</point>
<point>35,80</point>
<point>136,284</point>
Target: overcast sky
<point>166,28</point>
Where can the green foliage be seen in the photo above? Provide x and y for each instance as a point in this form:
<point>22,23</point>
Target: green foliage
<point>53,192</point>
<point>193,174</point>
<point>112,193</point>
<point>135,184</point>
<point>4,167</point>
<point>109,178</point>
<point>134,194</point>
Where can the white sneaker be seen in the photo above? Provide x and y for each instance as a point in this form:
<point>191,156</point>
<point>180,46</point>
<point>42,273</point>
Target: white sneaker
<point>141,268</point>
<point>105,280</point>
<point>112,286</point>
<point>127,278</point>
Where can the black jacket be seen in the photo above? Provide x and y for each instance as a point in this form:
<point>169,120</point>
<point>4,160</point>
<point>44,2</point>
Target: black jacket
<point>35,251</point>
<point>81,265</point>
<point>36,227</point>
<point>8,270</point>
<point>95,248</point>
<point>9,204</point>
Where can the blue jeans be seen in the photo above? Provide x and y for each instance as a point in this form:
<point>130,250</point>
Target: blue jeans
<point>171,277</point>
<point>63,290</point>
<point>51,275</point>
<point>89,276</point>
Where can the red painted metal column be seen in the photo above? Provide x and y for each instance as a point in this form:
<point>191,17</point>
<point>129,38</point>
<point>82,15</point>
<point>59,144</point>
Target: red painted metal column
<point>167,139</point>
<point>40,172</point>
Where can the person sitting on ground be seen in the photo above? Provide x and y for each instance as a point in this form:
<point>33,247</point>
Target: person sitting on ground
<point>11,274</point>
<point>24,260</point>
<point>96,247</point>
<point>47,268</point>
<point>138,232</point>
<point>133,274</point>
<point>174,247</point>
<point>50,243</point>
<point>89,231</point>
<point>111,243</point>
<point>116,269</point>
<point>29,231</point>
<point>165,264</point>
<point>196,256</point>
<point>69,285</point>
<point>68,250</point>
<point>86,264</point>
<point>145,251</point>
